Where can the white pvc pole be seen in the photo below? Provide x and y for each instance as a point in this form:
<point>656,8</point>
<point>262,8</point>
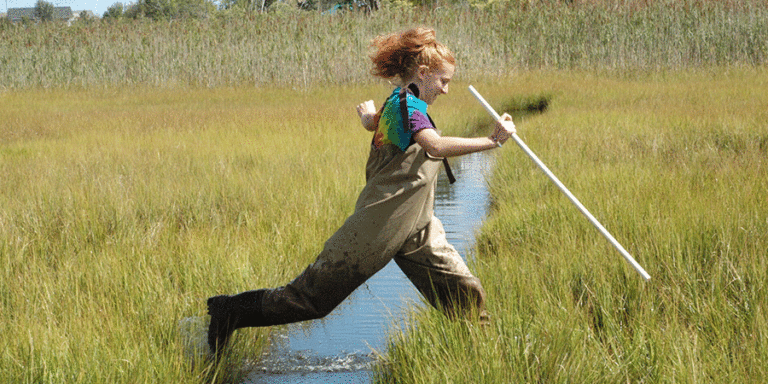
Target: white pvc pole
<point>565,190</point>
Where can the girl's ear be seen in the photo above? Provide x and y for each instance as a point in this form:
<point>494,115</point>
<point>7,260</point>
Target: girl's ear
<point>422,72</point>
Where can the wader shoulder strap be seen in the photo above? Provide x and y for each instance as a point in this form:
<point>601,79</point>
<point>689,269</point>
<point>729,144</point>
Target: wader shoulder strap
<point>407,120</point>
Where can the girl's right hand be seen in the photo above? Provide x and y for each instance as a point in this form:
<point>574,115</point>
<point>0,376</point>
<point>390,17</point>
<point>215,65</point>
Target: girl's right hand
<point>367,112</point>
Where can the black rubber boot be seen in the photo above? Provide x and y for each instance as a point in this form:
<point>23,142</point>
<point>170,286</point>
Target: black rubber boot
<point>229,313</point>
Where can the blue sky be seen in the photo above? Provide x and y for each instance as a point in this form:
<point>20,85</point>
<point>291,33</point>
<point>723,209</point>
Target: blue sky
<point>96,6</point>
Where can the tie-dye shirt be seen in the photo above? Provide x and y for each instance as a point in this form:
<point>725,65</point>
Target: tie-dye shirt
<point>390,126</point>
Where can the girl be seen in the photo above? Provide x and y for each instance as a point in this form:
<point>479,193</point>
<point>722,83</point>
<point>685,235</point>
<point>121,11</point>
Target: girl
<point>394,217</point>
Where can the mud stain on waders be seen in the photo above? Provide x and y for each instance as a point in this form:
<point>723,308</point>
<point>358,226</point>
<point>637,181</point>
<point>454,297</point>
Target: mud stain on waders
<point>339,348</point>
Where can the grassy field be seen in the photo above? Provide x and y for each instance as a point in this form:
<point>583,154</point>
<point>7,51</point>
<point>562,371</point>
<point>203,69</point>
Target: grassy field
<point>146,166</point>
<point>124,209</point>
<point>676,167</point>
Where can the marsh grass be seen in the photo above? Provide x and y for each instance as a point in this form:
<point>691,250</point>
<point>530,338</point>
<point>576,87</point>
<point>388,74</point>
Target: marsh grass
<point>123,210</point>
<point>302,48</point>
<point>167,162</point>
<point>674,165</point>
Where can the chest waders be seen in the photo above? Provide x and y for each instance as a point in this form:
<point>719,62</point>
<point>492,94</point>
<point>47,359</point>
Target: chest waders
<point>393,219</point>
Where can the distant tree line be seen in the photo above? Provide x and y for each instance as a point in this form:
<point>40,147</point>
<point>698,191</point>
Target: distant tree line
<point>180,9</point>
<point>161,9</point>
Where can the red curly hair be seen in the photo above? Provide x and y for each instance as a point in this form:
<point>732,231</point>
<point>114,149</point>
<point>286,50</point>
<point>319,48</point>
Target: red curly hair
<point>397,56</point>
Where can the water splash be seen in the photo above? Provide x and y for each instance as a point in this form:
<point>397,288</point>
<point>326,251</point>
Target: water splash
<point>193,332</point>
<point>310,362</point>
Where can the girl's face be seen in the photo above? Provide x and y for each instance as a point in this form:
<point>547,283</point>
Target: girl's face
<point>433,83</point>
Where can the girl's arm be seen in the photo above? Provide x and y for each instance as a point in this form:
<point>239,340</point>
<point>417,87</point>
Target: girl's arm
<point>440,146</point>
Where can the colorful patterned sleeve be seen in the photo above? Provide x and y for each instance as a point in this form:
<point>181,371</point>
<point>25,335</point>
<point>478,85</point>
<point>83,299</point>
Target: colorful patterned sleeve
<point>419,121</point>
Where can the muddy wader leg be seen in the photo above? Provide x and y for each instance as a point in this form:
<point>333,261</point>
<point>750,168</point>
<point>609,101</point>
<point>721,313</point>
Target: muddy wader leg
<point>348,259</point>
<point>439,273</point>
<point>311,295</point>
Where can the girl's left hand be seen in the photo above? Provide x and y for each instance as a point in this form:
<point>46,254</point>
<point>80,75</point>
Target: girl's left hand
<point>504,129</point>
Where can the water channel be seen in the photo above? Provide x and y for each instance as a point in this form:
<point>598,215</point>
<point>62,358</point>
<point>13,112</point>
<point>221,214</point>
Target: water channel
<point>340,348</point>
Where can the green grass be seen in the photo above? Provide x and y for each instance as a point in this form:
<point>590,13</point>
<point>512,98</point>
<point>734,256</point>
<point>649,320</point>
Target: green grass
<point>124,210</point>
<point>146,166</point>
<point>674,165</point>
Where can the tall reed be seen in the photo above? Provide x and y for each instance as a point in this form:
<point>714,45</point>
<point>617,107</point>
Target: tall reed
<point>301,48</point>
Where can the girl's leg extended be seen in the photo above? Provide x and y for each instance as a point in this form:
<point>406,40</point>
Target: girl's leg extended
<point>439,273</point>
<point>354,253</point>
<point>322,286</point>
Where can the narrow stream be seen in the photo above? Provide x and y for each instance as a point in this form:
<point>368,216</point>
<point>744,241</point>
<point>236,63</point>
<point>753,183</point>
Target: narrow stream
<point>339,348</point>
